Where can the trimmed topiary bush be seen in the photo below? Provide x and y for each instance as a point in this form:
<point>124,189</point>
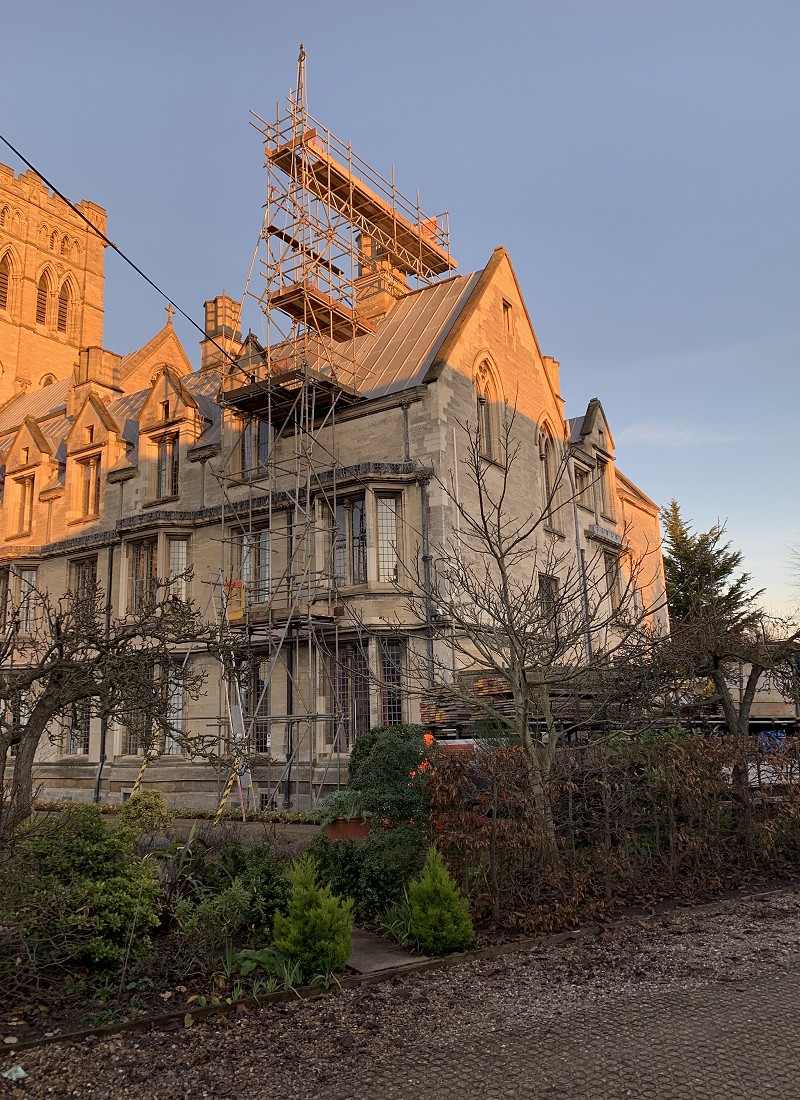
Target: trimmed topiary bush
<point>439,914</point>
<point>317,930</point>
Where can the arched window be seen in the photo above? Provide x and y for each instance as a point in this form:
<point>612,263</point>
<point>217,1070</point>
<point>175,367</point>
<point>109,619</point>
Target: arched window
<point>547,453</point>
<point>64,308</point>
<point>65,246</point>
<point>48,380</point>
<point>486,394</point>
<point>4,216</point>
<point>42,295</point>
<point>53,240</point>
<point>5,282</point>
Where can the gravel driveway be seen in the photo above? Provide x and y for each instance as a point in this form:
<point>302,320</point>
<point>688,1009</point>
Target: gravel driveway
<point>697,1005</point>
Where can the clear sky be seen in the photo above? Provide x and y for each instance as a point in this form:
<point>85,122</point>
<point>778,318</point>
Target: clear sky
<point>639,160</point>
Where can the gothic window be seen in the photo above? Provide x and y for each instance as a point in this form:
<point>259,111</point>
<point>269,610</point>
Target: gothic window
<point>486,394</point>
<point>64,308</point>
<point>603,501</point>
<point>550,475</point>
<point>255,706</point>
<point>84,588</point>
<point>53,240</point>
<point>5,282</point>
<point>583,487</point>
<point>42,296</point>
<point>548,602</point>
<point>4,217</point>
<point>65,246</point>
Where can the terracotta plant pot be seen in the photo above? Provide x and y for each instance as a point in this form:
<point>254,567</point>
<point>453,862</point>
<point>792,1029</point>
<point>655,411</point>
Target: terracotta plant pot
<point>342,829</point>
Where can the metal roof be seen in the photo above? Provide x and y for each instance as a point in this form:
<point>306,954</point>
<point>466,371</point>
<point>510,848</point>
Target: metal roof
<point>37,403</point>
<point>398,356</point>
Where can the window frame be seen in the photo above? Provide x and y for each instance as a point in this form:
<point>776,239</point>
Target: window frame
<point>388,551</point>
<point>391,687</point>
<point>25,488</point>
<point>142,588</point>
<point>177,581</point>
<point>351,682</point>
<point>350,542</point>
<point>168,466</point>
<point>28,579</point>
<point>89,486</point>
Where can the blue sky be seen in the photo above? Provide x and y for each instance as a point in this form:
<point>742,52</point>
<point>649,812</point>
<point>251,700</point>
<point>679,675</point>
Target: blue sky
<point>638,159</point>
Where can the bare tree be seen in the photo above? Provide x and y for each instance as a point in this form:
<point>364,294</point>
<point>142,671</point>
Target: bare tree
<point>56,655</point>
<point>509,600</point>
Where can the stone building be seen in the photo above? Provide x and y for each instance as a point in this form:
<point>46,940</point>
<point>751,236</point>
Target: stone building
<point>302,524</point>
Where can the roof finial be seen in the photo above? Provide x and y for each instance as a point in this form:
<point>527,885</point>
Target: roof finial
<point>170,308</point>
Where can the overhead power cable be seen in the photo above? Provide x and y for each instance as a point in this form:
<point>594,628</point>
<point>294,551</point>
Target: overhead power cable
<point>118,250</point>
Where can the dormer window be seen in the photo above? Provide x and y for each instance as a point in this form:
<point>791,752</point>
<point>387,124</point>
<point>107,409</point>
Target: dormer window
<point>89,435</point>
<point>167,467</point>
<point>24,453</point>
<point>165,410</point>
<point>90,486</point>
<point>24,486</point>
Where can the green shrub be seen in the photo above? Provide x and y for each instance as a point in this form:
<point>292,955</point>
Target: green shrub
<point>212,922</point>
<point>374,871</point>
<point>339,865</point>
<point>316,931</point>
<point>146,812</point>
<point>81,894</point>
<point>392,776</point>
<point>233,894</point>
<point>389,860</point>
<point>439,915</point>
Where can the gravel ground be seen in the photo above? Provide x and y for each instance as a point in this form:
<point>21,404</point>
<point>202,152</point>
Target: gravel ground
<point>324,1047</point>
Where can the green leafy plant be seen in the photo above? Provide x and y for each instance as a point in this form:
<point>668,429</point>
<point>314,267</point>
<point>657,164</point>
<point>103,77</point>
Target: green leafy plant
<point>439,914</point>
<point>393,774</point>
<point>146,812</point>
<point>316,930</point>
<point>88,898</point>
<point>345,803</point>
<point>396,922</point>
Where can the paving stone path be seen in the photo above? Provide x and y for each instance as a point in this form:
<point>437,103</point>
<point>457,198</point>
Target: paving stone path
<point>723,1042</point>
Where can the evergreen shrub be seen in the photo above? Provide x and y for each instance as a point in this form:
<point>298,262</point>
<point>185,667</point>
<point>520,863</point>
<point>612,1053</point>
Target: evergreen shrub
<point>316,931</point>
<point>439,914</point>
<point>146,812</point>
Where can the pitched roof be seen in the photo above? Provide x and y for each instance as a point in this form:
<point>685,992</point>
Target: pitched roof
<point>38,403</point>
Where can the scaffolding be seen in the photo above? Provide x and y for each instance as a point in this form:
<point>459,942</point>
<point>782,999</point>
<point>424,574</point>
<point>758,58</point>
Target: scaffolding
<point>335,234</point>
